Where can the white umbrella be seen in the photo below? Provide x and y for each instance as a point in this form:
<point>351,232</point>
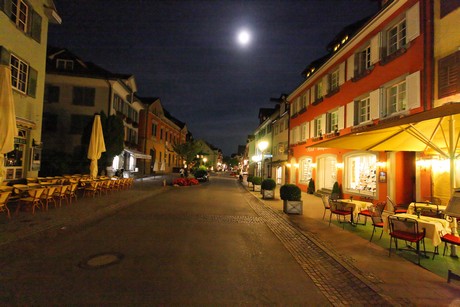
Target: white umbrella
<point>8,129</point>
<point>155,166</point>
<point>96,145</point>
<point>162,166</point>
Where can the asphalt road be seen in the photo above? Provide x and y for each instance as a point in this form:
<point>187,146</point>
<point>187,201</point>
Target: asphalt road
<point>200,245</point>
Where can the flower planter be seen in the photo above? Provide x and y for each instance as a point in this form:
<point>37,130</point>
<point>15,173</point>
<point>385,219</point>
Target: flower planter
<point>293,207</point>
<point>268,194</point>
<point>257,187</point>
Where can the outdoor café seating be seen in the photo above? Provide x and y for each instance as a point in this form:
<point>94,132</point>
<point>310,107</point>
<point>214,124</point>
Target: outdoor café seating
<point>327,206</point>
<point>339,210</point>
<point>32,199</point>
<point>407,229</point>
<point>48,196</point>
<point>4,196</point>
<point>60,194</point>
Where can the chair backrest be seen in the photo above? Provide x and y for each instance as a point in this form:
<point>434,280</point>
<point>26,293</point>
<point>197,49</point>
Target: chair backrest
<point>325,200</point>
<point>379,207</point>
<point>36,193</point>
<point>403,227</point>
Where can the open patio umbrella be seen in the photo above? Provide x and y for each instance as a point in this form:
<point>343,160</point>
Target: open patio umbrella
<point>8,129</point>
<point>96,145</point>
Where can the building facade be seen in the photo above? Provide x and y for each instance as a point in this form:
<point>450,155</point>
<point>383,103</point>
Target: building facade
<point>23,40</point>
<point>377,72</point>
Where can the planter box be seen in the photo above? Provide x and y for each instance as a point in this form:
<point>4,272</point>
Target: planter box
<point>268,194</point>
<point>257,187</point>
<point>292,207</point>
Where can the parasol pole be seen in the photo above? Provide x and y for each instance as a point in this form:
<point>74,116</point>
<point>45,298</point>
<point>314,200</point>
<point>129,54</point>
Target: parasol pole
<point>452,147</point>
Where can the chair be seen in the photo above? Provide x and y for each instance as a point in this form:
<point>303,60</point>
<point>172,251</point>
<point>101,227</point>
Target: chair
<point>376,218</point>
<point>72,192</point>
<point>4,196</point>
<point>406,229</point>
<point>369,212</point>
<point>338,209</point>
<point>91,188</point>
<point>33,199</point>
<point>449,239</point>
<point>60,193</point>
<point>325,200</point>
<point>47,196</point>
<point>397,208</point>
<point>105,186</point>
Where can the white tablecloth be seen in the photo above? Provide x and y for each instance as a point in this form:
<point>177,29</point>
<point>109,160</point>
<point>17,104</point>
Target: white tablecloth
<point>410,209</point>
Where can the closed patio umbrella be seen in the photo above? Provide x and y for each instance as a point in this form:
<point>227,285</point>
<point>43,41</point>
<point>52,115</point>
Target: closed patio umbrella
<point>8,129</point>
<point>155,166</point>
<point>96,145</point>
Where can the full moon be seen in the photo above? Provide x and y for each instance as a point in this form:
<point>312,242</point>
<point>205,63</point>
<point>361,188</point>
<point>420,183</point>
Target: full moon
<point>244,37</point>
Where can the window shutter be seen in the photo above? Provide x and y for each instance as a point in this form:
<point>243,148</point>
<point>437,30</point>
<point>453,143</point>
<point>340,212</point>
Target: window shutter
<point>328,123</point>
<point>374,97</point>
<point>413,90</point>
<point>36,26</point>
<point>326,83</point>
<point>4,56</point>
<point>350,67</point>
<point>5,6</point>
<point>312,128</point>
<point>355,113</point>
<point>32,82</point>
<point>350,114</point>
<point>341,118</point>
<point>323,123</point>
<point>307,130</point>
<point>307,96</point>
<point>342,73</point>
<point>375,48</point>
<point>449,75</point>
<point>413,22</point>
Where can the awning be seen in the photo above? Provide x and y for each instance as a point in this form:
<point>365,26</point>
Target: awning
<point>432,131</point>
<point>138,155</point>
<point>436,131</point>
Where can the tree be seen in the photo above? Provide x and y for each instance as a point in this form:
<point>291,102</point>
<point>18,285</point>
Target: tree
<point>114,135</point>
<point>187,151</point>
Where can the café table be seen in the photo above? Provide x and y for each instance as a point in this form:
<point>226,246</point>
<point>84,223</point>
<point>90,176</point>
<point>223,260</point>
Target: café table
<point>434,228</point>
<point>424,205</point>
<point>355,206</point>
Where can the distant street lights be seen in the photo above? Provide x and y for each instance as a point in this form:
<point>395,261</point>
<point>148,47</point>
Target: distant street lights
<point>262,145</point>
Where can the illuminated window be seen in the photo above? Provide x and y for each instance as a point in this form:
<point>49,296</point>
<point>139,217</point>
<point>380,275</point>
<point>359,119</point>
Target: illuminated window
<point>305,168</point>
<point>360,173</point>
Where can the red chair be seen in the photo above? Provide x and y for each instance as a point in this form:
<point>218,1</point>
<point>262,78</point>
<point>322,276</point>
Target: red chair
<point>326,205</point>
<point>338,209</point>
<point>376,217</point>
<point>449,239</point>
<point>397,208</point>
<point>406,229</point>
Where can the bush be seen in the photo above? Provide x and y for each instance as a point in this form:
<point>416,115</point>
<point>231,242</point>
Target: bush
<point>199,173</point>
<point>250,177</point>
<point>290,192</point>
<point>268,184</point>
<point>256,180</point>
<point>311,187</point>
<point>336,192</point>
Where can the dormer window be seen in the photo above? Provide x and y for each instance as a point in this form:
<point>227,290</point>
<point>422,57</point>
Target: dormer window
<point>64,64</point>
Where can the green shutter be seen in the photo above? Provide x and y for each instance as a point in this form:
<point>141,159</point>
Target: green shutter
<point>36,26</point>
<point>32,83</point>
<point>4,56</point>
<point>5,6</point>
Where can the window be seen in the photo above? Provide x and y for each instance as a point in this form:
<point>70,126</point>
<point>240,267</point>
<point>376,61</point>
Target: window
<point>360,173</point>
<point>332,121</point>
<point>84,96</point>
<point>19,74</point>
<point>317,125</point>
<point>118,103</point>
<point>396,37</point>
<point>154,129</point>
<point>449,75</point>
<point>303,132</point>
<point>363,60</point>
<point>161,133</point>
<point>79,122</point>
<point>334,81</point>
<point>51,93</point>
<point>318,91</point>
<point>19,14</point>
<point>396,98</point>
<point>303,102</point>
<point>64,64</point>
<point>363,110</point>
<point>305,169</point>
<point>294,107</point>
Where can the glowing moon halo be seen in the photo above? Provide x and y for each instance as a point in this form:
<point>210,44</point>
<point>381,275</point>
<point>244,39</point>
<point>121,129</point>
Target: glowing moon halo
<point>244,37</point>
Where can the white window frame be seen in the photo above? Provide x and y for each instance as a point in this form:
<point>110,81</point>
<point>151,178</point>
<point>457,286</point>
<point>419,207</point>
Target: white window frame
<point>333,122</point>
<point>364,110</point>
<point>396,37</point>
<point>360,169</point>
<point>64,64</point>
<point>363,59</point>
<point>334,80</point>
<point>317,124</point>
<point>19,74</point>
<point>396,99</point>
<point>20,13</point>
<point>318,90</point>
<point>305,169</point>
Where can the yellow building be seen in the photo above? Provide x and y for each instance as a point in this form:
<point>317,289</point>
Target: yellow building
<point>23,40</point>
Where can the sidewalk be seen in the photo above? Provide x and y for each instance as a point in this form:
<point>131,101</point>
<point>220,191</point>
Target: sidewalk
<point>393,276</point>
<point>85,210</point>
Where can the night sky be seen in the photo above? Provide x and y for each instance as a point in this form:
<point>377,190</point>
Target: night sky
<point>187,54</point>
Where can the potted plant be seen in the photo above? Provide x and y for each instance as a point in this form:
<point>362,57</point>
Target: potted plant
<point>268,188</point>
<point>336,192</point>
<point>249,179</point>
<point>256,183</point>
<point>291,196</point>
<point>311,186</point>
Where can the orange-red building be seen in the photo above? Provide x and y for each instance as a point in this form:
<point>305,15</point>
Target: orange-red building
<point>374,86</point>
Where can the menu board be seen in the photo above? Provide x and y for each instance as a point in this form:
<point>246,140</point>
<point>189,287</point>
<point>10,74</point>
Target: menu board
<point>453,208</point>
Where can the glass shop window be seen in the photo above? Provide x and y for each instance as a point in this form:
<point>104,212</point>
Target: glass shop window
<point>360,174</point>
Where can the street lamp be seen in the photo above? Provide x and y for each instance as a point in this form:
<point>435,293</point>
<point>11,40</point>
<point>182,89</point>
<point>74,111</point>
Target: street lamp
<point>262,145</point>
